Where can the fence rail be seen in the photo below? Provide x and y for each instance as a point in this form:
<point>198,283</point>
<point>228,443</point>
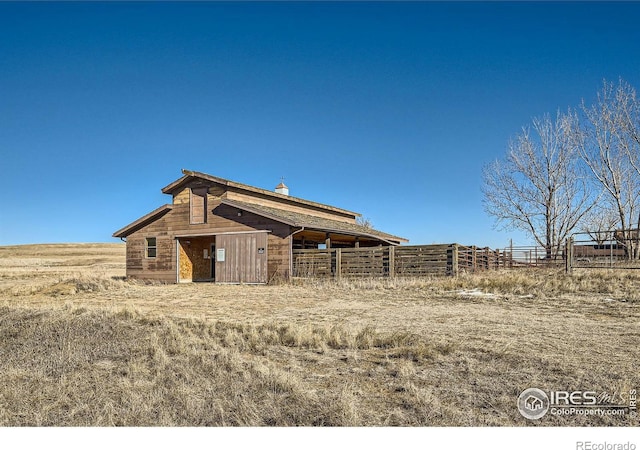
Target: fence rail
<point>532,256</point>
<point>402,261</point>
<point>604,250</point>
<point>582,250</point>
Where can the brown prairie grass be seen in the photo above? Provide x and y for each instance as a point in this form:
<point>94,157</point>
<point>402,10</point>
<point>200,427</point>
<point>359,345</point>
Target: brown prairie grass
<point>82,346</point>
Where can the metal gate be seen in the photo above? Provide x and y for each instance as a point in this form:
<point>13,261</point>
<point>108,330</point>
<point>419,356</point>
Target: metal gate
<point>602,250</point>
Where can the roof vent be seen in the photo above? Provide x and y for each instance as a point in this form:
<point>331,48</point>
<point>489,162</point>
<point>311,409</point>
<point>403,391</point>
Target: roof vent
<point>282,188</point>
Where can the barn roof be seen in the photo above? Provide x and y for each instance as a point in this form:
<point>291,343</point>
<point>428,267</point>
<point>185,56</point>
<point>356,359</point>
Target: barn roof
<point>190,175</point>
<point>142,221</point>
<point>313,222</point>
<point>292,218</point>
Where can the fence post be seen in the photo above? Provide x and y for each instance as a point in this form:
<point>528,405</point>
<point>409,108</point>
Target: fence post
<point>454,261</point>
<point>510,253</point>
<point>474,258</point>
<point>611,253</point>
<point>392,261</point>
<point>569,255</point>
<point>338,273</point>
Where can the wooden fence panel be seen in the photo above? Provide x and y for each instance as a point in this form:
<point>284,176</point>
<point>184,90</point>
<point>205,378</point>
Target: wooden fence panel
<point>314,263</point>
<point>473,259</point>
<point>421,260</point>
<point>400,261</point>
<point>364,262</point>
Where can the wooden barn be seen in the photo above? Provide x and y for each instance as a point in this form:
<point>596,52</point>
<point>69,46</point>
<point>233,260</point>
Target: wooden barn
<point>219,230</point>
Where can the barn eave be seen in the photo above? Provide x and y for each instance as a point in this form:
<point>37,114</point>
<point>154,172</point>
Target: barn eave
<point>142,221</point>
<point>309,222</point>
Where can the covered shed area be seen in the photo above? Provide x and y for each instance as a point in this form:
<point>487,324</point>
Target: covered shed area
<point>318,232</point>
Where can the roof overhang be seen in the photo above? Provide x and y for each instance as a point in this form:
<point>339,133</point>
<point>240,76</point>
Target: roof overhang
<point>333,226</point>
<point>142,221</point>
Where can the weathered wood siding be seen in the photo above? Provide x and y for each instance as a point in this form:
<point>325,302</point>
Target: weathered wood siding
<point>182,197</point>
<point>286,206</point>
<point>161,267</point>
<point>219,219</point>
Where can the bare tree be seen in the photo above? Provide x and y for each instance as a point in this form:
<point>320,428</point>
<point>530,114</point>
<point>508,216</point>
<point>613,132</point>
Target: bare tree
<point>366,223</point>
<point>540,186</point>
<point>609,143</point>
<point>600,223</point>
<point>627,109</point>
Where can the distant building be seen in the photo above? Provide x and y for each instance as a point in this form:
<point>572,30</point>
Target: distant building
<point>219,230</point>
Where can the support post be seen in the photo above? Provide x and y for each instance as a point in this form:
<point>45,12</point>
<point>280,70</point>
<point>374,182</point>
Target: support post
<point>177,260</point>
<point>357,244</point>
<point>338,273</point>
<point>511,254</point>
<point>392,261</point>
<point>327,241</point>
<point>611,249</point>
<point>474,259</point>
<point>569,253</point>
<point>454,260</point>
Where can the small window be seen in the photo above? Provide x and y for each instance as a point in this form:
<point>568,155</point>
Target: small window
<point>151,248</point>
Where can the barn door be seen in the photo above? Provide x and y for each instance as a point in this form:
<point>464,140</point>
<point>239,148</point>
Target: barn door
<point>241,258</point>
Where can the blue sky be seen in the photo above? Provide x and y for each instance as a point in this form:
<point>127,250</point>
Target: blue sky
<point>388,109</point>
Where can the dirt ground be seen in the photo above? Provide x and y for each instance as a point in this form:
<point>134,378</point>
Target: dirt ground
<point>441,351</point>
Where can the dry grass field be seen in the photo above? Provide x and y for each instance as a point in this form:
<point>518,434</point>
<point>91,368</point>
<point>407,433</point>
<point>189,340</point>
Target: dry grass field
<point>82,346</point>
